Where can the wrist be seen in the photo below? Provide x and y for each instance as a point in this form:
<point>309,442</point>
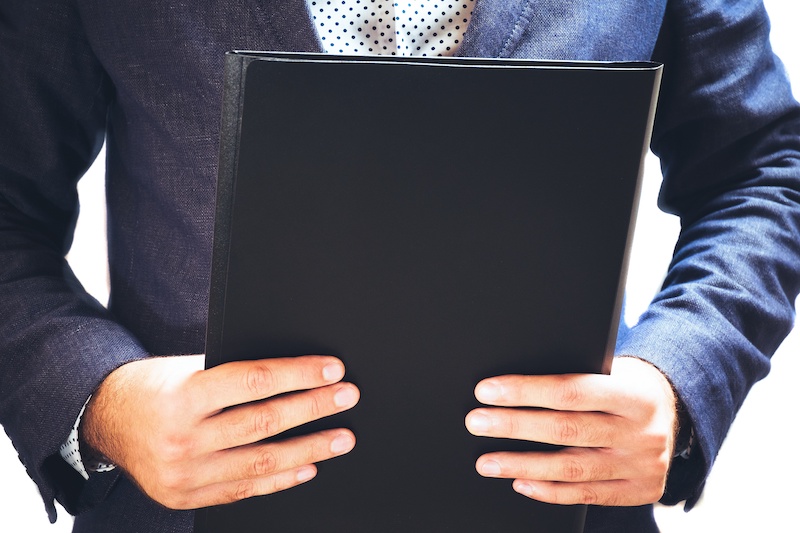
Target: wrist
<point>98,434</point>
<point>93,460</point>
<point>80,456</point>
<point>684,434</point>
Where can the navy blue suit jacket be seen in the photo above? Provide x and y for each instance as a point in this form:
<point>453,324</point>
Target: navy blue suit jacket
<point>146,77</point>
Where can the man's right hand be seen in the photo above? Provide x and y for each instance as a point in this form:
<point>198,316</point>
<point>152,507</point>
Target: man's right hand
<point>191,437</point>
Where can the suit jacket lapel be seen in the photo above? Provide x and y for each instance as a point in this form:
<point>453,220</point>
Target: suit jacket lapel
<point>496,27</point>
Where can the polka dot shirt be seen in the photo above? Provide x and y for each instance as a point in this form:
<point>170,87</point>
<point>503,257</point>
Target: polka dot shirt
<point>378,27</point>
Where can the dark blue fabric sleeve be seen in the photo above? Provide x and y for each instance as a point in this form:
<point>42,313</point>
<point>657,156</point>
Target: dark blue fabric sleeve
<point>728,135</point>
<point>56,342</point>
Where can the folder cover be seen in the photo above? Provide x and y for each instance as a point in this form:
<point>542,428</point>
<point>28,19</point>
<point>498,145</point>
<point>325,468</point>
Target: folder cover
<point>432,222</point>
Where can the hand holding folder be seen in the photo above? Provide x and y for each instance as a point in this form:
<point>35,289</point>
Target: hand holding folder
<point>192,437</point>
<point>618,431</point>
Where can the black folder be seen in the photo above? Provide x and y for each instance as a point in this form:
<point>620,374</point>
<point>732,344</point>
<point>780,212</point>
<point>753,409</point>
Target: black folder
<point>432,222</point>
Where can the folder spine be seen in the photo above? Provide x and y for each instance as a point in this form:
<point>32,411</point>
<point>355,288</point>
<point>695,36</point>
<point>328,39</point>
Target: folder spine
<point>232,103</point>
<point>656,73</point>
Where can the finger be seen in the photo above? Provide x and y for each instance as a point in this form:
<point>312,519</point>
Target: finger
<point>259,461</point>
<point>253,422</point>
<point>608,493</point>
<point>552,427</point>
<point>568,392</point>
<point>241,382</point>
<point>570,465</point>
<point>233,491</point>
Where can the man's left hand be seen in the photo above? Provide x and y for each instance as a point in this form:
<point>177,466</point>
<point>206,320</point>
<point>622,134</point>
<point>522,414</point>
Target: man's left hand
<point>617,433</point>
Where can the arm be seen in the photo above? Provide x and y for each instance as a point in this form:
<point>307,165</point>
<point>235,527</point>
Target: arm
<point>56,343</point>
<point>728,134</point>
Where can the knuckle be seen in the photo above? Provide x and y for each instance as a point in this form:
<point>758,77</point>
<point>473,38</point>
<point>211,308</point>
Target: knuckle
<point>173,480</point>
<point>661,466</point>
<point>568,394</point>
<point>565,430</point>
<point>654,494</point>
<point>657,487</point>
<point>265,463</point>
<point>315,409</point>
<point>171,489</point>
<point>572,470</point>
<point>665,444</point>
<point>588,495</point>
<point>278,484</point>
<point>265,422</point>
<point>648,408</point>
<point>510,425</point>
<point>242,490</point>
<point>260,380</point>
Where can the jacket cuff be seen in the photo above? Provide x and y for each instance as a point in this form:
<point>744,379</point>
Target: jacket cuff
<point>56,479</point>
<point>677,350</point>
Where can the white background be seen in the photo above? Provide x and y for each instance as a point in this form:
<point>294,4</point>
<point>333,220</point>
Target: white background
<point>754,484</point>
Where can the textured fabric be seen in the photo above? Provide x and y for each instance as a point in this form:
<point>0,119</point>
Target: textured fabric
<point>378,27</point>
<point>147,76</point>
<point>70,451</point>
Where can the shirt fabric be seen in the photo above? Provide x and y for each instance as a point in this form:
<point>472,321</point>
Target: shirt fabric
<point>378,27</point>
<point>70,451</point>
<point>146,76</point>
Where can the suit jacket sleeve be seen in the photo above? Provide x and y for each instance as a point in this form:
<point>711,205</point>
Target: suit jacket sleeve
<point>56,342</point>
<point>728,134</point>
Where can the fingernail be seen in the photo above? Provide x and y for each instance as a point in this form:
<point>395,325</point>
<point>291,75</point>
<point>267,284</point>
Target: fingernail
<point>305,473</point>
<point>342,444</point>
<point>345,397</point>
<point>488,391</point>
<point>490,468</point>
<point>524,488</point>
<point>333,372</point>
<point>479,422</point>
